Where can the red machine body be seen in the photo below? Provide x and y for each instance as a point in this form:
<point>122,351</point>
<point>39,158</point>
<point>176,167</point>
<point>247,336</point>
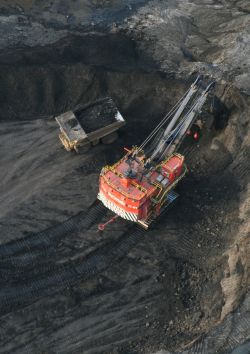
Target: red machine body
<point>139,199</point>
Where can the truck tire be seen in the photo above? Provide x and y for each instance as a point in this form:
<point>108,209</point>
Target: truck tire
<point>109,139</point>
<point>82,149</point>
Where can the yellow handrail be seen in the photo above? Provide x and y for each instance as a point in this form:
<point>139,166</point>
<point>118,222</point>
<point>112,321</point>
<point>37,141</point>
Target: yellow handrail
<point>158,185</point>
<point>171,186</point>
<point>119,174</point>
<point>121,191</point>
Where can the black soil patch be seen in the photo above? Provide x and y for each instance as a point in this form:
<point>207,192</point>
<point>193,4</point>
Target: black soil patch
<point>123,290</point>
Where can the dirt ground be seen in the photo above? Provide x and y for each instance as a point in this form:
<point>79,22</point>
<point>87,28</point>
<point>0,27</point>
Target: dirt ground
<point>182,287</point>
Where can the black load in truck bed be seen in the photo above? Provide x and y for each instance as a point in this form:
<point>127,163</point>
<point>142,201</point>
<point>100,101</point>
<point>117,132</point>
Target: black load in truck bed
<point>97,115</point>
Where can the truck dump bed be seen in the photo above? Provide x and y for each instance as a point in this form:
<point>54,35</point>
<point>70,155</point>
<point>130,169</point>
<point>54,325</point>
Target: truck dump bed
<point>71,126</point>
<point>98,114</point>
<point>89,123</point>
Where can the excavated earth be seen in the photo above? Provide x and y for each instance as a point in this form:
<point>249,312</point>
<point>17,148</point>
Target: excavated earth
<point>183,286</point>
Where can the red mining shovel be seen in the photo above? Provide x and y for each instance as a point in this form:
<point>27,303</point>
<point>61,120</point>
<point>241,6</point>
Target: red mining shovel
<point>101,227</point>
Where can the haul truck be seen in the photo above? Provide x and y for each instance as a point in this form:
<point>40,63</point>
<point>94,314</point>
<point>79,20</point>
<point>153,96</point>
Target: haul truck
<point>90,124</point>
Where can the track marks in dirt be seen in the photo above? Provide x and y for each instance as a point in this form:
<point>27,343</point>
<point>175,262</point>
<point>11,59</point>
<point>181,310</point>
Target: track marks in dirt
<point>242,169</point>
<point>45,239</point>
<point>225,337</point>
<point>49,279</point>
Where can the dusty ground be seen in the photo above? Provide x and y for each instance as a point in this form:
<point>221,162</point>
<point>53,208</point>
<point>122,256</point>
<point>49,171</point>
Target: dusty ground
<point>64,287</point>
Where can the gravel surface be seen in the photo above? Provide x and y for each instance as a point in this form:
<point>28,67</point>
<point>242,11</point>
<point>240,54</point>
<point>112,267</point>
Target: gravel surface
<point>65,288</point>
